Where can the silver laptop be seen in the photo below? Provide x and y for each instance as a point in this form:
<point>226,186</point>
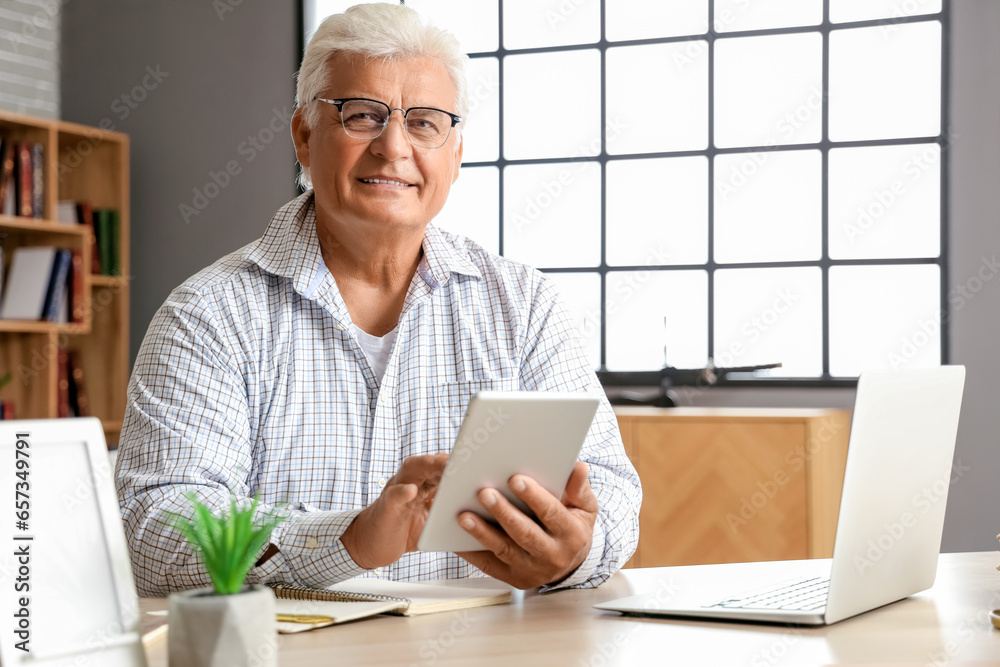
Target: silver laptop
<point>899,466</point>
<point>68,594</point>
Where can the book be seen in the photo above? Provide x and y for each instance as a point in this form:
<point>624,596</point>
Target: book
<point>6,174</point>
<point>28,283</point>
<point>57,293</point>
<point>85,215</point>
<point>78,309</point>
<point>102,227</point>
<point>24,178</point>
<point>66,212</point>
<point>360,598</point>
<point>114,227</point>
<point>9,188</point>
<point>37,180</point>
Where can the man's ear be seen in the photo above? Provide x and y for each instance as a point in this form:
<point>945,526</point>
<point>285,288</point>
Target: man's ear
<point>458,158</point>
<point>300,137</point>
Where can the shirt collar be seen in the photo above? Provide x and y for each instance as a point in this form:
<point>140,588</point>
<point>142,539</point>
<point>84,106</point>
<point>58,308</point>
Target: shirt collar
<point>290,248</point>
<point>442,258</point>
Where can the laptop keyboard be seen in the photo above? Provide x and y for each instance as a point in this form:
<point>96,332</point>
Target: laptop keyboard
<point>802,595</point>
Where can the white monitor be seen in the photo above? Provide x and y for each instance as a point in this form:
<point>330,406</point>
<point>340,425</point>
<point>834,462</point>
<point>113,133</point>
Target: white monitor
<point>65,576</point>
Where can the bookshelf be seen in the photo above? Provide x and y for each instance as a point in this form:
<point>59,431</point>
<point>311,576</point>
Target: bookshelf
<point>82,164</point>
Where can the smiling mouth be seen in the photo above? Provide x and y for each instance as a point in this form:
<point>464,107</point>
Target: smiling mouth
<point>384,181</point>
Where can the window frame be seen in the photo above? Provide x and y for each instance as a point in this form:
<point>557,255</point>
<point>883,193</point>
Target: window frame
<point>824,145</point>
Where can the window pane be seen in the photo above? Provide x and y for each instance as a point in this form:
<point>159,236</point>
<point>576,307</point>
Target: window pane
<point>885,85</point>
<point>668,112</point>
<point>768,90</point>
<point>650,310</point>
<point>885,201</point>
<point>473,207</point>
<point>733,15</point>
<point>482,133</point>
<point>317,10</point>
<point>864,10</point>
<point>530,23</point>
<point>657,211</point>
<point>475,24</point>
<point>884,317</point>
<point>581,293</point>
<point>768,206</point>
<point>765,316</point>
<point>552,105</point>
<point>641,19</point>
<point>552,214</point>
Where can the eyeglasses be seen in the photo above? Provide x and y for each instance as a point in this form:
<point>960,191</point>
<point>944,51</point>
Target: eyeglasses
<point>426,127</point>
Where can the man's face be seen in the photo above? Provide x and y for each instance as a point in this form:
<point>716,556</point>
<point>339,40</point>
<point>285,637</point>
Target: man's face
<point>344,168</point>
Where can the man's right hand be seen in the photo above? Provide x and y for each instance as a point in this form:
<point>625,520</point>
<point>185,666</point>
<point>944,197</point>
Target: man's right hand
<point>391,525</point>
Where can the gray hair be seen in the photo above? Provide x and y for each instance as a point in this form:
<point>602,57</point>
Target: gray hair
<point>379,30</point>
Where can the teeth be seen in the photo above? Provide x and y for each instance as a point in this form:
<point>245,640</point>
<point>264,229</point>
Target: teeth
<point>382,180</point>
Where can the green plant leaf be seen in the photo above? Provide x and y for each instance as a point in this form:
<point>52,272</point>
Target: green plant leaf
<point>228,544</point>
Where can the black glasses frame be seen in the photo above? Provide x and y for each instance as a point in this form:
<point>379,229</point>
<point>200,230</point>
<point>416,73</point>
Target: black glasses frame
<point>339,103</point>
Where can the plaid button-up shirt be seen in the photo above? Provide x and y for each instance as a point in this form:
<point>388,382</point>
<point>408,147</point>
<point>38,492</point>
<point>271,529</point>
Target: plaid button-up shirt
<point>250,381</point>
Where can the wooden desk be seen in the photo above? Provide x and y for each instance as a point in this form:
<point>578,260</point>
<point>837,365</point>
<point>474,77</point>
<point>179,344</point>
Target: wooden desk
<point>949,624</point>
<point>725,485</point>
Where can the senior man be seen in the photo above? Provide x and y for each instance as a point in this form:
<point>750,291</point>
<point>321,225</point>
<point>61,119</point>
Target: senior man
<point>326,367</point>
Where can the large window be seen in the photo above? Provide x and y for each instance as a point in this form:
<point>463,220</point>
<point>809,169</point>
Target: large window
<point>736,180</point>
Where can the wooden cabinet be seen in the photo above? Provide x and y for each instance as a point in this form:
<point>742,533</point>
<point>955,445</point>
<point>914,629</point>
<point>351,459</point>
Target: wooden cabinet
<point>80,163</point>
<point>735,485</point>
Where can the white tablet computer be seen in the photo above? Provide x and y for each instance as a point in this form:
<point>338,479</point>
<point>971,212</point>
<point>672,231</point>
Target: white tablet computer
<point>539,434</point>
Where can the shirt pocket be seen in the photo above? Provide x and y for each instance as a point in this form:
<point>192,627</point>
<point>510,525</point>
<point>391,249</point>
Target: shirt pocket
<point>451,400</point>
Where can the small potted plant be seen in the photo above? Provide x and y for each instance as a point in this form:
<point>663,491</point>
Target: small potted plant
<point>229,624</point>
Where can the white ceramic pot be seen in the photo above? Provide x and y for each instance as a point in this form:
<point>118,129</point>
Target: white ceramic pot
<point>211,630</point>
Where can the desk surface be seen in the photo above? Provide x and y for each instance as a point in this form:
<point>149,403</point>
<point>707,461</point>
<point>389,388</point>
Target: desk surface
<point>947,624</point>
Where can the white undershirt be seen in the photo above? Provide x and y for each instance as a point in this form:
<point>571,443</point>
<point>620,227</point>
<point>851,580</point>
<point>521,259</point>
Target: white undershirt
<point>376,349</point>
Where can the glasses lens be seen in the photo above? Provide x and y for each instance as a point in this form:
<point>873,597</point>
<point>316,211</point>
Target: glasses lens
<point>364,119</point>
<point>428,128</point>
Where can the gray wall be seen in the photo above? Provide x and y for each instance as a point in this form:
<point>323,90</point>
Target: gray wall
<point>225,77</point>
<point>973,518</point>
<point>197,87</point>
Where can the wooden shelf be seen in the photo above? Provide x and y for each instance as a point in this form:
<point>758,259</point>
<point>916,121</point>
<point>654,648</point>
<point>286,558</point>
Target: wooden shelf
<point>29,326</point>
<point>80,164</point>
<point>41,226</point>
<point>111,426</point>
<point>108,281</point>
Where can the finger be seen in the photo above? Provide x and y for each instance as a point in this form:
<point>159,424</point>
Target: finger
<point>547,508</point>
<point>489,564</point>
<point>492,538</point>
<point>421,467</point>
<point>578,492</point>
<point>397,500</point>
<point>518,527</point>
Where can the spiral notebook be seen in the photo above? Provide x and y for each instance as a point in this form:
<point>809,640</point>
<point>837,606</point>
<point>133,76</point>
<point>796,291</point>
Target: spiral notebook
<point>361,598</point>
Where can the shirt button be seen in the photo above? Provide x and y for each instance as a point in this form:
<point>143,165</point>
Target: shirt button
<point>381,482</point>
<point>378,570</point>
<point>312,543</point>
<point>340,327</point>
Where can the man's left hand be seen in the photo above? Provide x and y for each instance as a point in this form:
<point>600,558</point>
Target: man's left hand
<point>524,553</point>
